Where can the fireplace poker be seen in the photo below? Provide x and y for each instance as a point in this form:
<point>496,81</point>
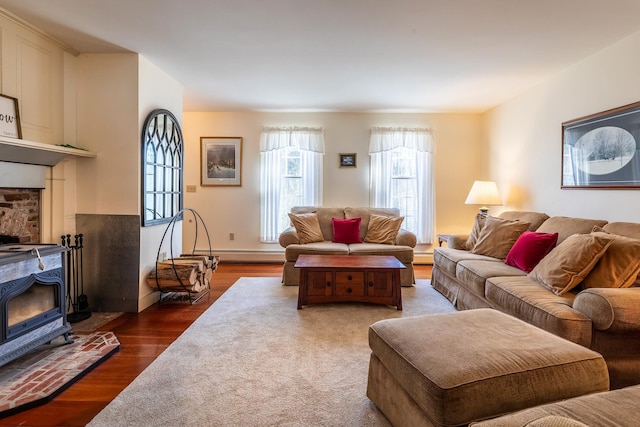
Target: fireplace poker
<point>83,300</point>
<point>66,241</point>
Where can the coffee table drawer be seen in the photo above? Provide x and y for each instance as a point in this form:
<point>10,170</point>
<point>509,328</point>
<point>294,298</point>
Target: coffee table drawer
<point>349,283</point>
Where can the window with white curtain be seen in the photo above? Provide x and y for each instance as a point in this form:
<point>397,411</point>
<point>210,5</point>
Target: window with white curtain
<point>402,176</point>
<point>290,175</point>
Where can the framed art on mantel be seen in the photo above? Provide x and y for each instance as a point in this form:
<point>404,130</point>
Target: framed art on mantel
<point>601,150</point>
<point>9,117</point>
<point>221,161</point>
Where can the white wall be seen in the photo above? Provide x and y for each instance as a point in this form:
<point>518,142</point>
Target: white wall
<point>525,135</point>
<point>107,120</point>
<point>157,90</point>
<point>236,209</point>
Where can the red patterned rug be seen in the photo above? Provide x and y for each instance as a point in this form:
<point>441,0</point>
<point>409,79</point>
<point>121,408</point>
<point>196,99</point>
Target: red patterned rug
<point>39,376</point>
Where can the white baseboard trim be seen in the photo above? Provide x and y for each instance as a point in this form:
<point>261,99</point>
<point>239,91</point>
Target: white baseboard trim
<point>278,256</point>
<point>247,256</point>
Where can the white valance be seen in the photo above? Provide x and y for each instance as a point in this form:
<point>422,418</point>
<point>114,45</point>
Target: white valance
<point>308,139</point>
<point>386,139</point>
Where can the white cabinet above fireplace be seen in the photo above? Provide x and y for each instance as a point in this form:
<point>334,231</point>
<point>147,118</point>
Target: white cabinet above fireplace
<point>36,153</point>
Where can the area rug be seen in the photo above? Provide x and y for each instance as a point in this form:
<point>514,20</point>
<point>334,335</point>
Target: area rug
<point>42,374</point>
<point>253,359</point>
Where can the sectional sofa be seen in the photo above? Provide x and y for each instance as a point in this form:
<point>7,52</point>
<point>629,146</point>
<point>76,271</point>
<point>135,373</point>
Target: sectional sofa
<point>346,231</point>
<point>581,286</point>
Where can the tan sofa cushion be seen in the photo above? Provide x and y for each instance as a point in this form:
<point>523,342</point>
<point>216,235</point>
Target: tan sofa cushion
<point>447,259</point>
<point>383,229</point>
<point>566,226</point>
<point>524,298</point>
<point>292,252</point>
<point>478,224</point>
<point>325,214</point>
<point>611,408</point>
<point>498,236</point>
<point>404,254</point>
<point>618,267</point>
<point>307,227</point>
<point>569,263</point>
<point>535,219</point>
<point>474,273</point>
<point>365,214</point>
<point>628,229</point>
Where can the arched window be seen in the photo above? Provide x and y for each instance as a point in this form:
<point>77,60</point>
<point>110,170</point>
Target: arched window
<point>162,162</point>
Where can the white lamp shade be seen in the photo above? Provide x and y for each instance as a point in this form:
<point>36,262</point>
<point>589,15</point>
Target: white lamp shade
<point>484,193</point>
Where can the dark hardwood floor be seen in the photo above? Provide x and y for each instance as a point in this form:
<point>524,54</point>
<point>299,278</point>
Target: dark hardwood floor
<point>143,337</point>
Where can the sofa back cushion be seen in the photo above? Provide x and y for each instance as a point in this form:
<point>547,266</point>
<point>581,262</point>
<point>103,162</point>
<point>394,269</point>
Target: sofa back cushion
<point>475,232</point>
<point>383,229</point>
<point>307,227</point>
<point>566,226</point>
<point>324,217</point>
<point>569,263</point>
<point>535,219</point>
<point>498,236</point>
<point>628,229</point>
<point>618,267</point>
<point>365,214</point>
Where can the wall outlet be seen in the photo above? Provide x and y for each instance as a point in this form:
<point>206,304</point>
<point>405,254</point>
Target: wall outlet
<point>191,188</point>
<point>162,256</point>
<point>232,236</point>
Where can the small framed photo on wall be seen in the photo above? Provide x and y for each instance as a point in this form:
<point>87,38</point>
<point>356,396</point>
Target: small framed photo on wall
<point>347,160</point>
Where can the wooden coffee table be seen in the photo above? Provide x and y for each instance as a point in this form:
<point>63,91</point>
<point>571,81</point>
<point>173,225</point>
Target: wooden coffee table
<point>349,278</point>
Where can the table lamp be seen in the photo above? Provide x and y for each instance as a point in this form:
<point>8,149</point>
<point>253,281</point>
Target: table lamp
<point>484,193</point>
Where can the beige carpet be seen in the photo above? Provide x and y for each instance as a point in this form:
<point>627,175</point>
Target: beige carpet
<point>253,359</point>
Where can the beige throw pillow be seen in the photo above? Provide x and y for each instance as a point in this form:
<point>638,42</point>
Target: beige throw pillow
<point>498,236</point>
<point>383,229</point>
<point>618,267</point>
<point>307,226</point>
<point>475,232</point>
<point>569,263</point>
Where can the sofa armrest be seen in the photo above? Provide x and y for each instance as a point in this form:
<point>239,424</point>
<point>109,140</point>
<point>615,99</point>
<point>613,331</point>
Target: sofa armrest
<point>406,238</point>
<point>288,237</point>
<point>611,309</point>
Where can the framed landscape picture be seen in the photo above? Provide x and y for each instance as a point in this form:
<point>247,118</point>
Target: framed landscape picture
<point>221,160</point>
<point>601,150</point>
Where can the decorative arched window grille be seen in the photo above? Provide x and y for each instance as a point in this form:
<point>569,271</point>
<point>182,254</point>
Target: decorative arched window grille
<point>162,164</point>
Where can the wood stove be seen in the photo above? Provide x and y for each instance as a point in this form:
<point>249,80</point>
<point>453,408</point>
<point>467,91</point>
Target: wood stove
<point>32,298</point>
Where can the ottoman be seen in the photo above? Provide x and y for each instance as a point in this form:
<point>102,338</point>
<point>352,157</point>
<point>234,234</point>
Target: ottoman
<point>452,369</point>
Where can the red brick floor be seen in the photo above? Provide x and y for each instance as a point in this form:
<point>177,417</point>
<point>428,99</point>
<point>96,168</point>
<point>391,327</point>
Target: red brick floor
<point>39,376</point>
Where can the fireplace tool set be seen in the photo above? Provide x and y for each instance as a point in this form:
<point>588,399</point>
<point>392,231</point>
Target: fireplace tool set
<point>75,281</point>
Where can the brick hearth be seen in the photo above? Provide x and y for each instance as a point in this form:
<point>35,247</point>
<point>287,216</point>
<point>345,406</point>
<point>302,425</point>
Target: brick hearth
<point>41,375</point>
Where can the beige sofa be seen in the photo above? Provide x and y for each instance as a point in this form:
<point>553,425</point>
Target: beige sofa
<point>401,246</point>
<point>610,408</point>
<point>602,318</point>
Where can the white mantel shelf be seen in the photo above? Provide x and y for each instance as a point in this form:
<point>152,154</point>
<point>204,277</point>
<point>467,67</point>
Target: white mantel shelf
<point>36,153</point>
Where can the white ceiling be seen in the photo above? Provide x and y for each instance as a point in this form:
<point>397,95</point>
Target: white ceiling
<point>342,55</point>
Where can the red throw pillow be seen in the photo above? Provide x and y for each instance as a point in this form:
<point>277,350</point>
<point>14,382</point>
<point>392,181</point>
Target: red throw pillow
<point>530,248</point>
<point>346,230</point>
